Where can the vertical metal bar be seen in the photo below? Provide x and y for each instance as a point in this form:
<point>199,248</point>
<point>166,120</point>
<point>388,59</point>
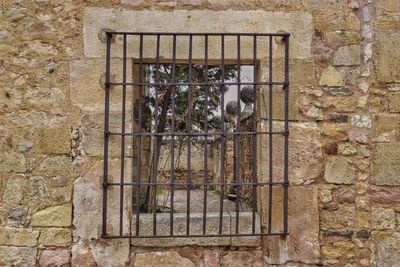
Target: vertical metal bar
<point>172,178</point>
<point>155,156</point>
<point>222,170</point>
<point>270,137</point>
<point>122,178</point>
<point>237,137</point>
<point>254,137</point>
<point>189,140</point>
<point>286,159</point>
<point>139,153</point>
<point>106,134</point>
<point>206,132</point>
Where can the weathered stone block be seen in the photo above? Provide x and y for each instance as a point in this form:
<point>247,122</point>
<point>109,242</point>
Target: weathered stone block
<point>388,23</point>
<point>17,256</point>
<point>87,201</point>
<point>394,103</point>
<point>344,195</point>
<point>58,257</point>
<point>361,121</point>
<point>384,195</point>
<point>82,255</point>
<point>132,2</point>
<point>58,237</point>
<point>10,99</point>
<point>362,219</point>
<point>196,228</point>
<point>18,237</point>
<point>245,227</point>
<point>211,258</point>
<point>278,104</point>
<point>338,38</point>
<point>17,217</point>
<point>55,140</point>
<point>319,5</point>
<point>338,170</point>
<point>388,57</point>
<point>87,89</point>
<point>325,195</point>
<point>386,164</point>
<point>341,219</point>
<point>305,156</point>
<point>330,77</point>
<point>239,259</point>
<point>12,162</point>
<point>338,250</point>
<point>328,20</point>
<point>383,218</point>
<point>340,91</point>
<point>336,131</point>
<point>302,243</point>
<point>56,165</point>
<point>297,23</point>
<point>385,248</point>
<point>162,259</point>
<point>31,192</point>
<point>347,149</point>
<point>112,252</point>
<point>386,128</point>
<point>301,72</point>
<point>388,5</point>
<point>93,127</point>
<point>347,56</point>
<point>60,195</point>
<point>45,97</point>
<point>53,216</point>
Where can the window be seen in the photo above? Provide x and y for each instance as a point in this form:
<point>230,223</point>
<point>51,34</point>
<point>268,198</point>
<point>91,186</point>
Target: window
<point>191,135</point>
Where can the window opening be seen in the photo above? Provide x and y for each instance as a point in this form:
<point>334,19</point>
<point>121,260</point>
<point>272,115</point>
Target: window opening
<point>190,136</point>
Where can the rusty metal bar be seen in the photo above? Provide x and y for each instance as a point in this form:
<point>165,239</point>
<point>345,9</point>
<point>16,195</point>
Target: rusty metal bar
<point>201,184</point>
<point>196,236</point>
<point>139,159</point>
<point>189,129</point>
<point>106,135</point>
<point>202,134</point>
<point>254,140</point>
<point>282,34</point>
<point>286,159</point>
<point>270,117</point>
<point>122,177</point>
<point>172,178</point>
<point>223,137</point>
<point>237,138</point>
<point>206,132</point>
<point>227,83</point>
<point>155,156</point>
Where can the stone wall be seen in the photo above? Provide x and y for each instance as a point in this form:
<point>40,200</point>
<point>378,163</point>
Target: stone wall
<point>344,207</point>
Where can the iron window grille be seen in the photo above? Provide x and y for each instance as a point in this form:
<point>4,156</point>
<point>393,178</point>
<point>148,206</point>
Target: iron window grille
<point>144,114</point>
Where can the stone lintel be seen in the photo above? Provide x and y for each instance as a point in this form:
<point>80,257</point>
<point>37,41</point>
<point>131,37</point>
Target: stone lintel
<point>96,20</point>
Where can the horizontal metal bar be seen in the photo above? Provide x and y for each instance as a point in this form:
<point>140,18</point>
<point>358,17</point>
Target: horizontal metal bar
<point>199,84</point>
<point>198,61</point>
<point>198,134</point>
<point>283,34</point>
<point>197,184</point>
<point>186,236</point>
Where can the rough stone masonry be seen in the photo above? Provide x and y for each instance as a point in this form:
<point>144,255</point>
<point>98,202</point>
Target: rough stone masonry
<point>344,199</point>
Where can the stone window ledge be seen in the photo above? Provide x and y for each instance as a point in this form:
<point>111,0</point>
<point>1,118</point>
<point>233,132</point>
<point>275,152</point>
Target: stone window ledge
<point>196,228</point>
